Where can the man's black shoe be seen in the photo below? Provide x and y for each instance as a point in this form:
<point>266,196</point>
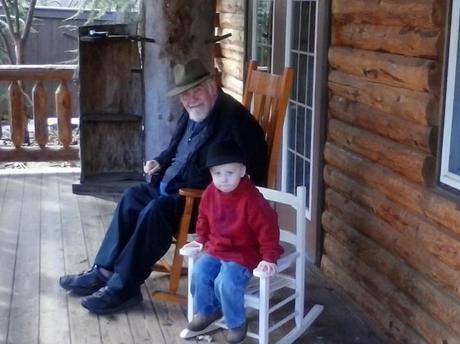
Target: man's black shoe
<point>85,283</point>
<point>107,301</point>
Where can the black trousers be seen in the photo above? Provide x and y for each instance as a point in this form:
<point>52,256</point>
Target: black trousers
<point>139,235</point>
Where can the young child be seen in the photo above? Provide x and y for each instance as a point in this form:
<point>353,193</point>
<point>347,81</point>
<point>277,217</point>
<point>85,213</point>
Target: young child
<point>238,231</point>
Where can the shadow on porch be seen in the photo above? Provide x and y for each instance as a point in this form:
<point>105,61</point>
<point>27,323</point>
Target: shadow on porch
<point>47,231</point>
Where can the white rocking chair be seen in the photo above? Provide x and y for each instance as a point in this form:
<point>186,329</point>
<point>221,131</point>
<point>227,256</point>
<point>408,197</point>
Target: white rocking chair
<point>262,287</point>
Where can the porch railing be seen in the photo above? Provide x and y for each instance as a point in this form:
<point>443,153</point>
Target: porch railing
<point>16,75</point>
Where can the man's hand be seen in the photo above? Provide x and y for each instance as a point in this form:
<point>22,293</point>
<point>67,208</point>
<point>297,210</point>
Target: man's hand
<point>266,268</point>
<point>151,167</point>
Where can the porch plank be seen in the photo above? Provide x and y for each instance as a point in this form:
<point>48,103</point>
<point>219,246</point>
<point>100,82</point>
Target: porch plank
<point>24,316</point>
<point>84,327</point>
<point>113,328</point>
<point>13,190</point>
<point>54,315</point>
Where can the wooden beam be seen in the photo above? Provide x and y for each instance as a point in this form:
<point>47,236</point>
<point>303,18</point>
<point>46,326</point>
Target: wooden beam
<point>34,153</point>
<point>392,39</point>
<point>421,200</point>
<point>418,107</point>
<point>395,70</point>
<point>434,238</point>
<point>402,304</point>
<point>37,72</point>
<point>415,165</point>
<point>418,136</point>
<point>413,13</point>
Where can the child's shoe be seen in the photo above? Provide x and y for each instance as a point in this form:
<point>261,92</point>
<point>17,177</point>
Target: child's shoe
<point>200,322</point>
<point>237,334</point>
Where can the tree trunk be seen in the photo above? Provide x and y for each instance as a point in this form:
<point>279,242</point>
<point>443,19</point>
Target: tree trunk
<point>180,27</point>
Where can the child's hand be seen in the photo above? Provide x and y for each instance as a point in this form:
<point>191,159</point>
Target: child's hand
<point>194,246</point>
<point>267,268</point>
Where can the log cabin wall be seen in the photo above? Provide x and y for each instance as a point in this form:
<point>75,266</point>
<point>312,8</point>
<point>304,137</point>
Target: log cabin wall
<point>230,52</point>
<point>391,240</point>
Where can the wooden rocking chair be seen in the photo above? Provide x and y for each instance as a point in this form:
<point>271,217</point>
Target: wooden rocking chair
<point>266,96</point>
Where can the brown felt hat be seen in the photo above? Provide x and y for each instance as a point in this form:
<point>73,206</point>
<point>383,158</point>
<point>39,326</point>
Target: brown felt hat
<point>188,75</point>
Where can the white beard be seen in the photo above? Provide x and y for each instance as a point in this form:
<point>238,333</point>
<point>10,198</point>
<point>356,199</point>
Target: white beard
<point>197,115</point>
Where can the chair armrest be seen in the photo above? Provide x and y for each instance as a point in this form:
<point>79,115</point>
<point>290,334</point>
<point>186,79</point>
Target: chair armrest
<point>287,261</point>
<point>188,192</point>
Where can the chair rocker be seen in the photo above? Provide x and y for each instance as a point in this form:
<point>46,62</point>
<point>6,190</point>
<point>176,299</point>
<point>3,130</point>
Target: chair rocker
<point>266,96</point>
<point>262,287</point>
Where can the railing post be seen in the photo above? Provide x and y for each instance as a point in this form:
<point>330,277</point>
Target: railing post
<point>63,112</point>
<point>17,114</point>
<point>40,113</point>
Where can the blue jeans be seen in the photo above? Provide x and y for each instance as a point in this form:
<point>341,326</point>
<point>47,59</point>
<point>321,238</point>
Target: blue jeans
<point>219,285</point>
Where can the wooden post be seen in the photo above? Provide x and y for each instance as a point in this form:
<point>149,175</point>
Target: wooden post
<point>63,112</point>
<point>17,114</point>
<point>40,116</point>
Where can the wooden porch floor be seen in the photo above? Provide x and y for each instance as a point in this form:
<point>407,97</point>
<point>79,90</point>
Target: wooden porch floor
<point>46,231</point>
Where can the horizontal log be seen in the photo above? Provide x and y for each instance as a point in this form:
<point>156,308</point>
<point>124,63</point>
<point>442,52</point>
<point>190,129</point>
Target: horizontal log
<point>416,166</point>
<point>231,21</point>
<point>37,72</point>
<point>232,83</point>
<point>414,13</point>
<point>418,136</point>
<point>400,303</point>
<point>391,39</point>
<point>232,52</point>
<point>385,235</point>
<point>429,296</point>
<point>398,331</point>
<point>229,6</point>
<point>230,67</point>
<point>34,153</point>
<point>418,107</point>
<point>432,238</point>
<point>402,71</point>
<point>420,200</point>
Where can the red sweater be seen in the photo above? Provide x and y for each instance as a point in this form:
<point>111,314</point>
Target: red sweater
<point>238,226</point>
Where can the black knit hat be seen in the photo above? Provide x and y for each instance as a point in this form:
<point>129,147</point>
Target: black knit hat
<point>224,152</point>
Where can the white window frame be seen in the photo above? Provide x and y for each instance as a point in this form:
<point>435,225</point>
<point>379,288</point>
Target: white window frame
<point>287,58</point>
<point>446,176</point>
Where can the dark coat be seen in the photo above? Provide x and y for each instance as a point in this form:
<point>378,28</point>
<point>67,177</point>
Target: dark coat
<point>228,119</point>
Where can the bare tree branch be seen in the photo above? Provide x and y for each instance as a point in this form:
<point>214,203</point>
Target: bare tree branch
<point>29,19</point>
<point>8,18</point>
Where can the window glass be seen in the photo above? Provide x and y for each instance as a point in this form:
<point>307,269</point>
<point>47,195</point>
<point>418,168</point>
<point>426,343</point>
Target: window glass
<point>263,33</point>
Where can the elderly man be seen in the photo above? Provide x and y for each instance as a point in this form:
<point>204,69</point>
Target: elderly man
<point>147,215</point>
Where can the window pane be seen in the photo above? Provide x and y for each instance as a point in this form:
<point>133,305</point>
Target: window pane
<point>263,34</point>
<point>295,24</point>
<point>312,28</point>
<point>302,81</point>
<point>292,125</point>
<point>300,132</point>
<point>290,172</point>
<point>304,29</point>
